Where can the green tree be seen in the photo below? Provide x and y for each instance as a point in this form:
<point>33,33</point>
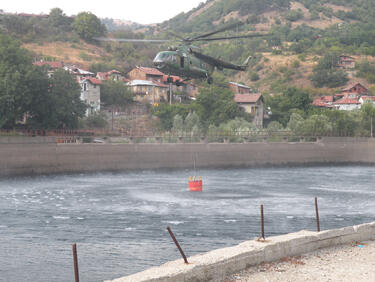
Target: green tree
<point>62,107</point>
<point>88,26</point>
<point>326,72</point>
<point>16,77</point>
<point>274,126</point>
<point>215,105</point>
<point>314,125</point>
<point>178,124</point>
<point>115,93</point>
<point>368,112</point>
<point>58,19</point>
<point>191,120</point>
<point>166,114</point>
<point>294,121</point>
<point>282,106</point>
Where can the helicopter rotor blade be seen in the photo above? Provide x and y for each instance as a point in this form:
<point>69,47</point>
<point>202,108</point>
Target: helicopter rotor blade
<point>216,31</point>
<point>131,40</point>
<point>176,35</point>
<point>233,37</point>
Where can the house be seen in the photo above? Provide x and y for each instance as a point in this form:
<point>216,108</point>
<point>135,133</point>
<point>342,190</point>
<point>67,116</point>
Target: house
<point>354,90</point>
<point>52,66</point>
<point>252,104</point>
<point>143,73</point>
<point>147,91</point>
<point>154,75</point>
<point>364,99</point>
<point>347,104</point>
<point>239,88</point>
<point>90,93</point>
<point>346,62</point>
<point>110,75</point>
<point>323,102</point>
<point>178,84</point>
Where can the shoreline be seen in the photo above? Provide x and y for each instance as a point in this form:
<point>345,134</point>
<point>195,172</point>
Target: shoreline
<point>220,264</point>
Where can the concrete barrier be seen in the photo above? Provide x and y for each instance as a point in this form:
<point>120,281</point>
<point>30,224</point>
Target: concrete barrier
<point>217,264</point>
<point>21,156</point>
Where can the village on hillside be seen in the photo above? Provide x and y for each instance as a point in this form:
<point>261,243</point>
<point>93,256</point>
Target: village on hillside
<point>150,86</point>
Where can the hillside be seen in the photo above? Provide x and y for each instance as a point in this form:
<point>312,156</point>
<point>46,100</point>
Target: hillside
<point>302,32</point>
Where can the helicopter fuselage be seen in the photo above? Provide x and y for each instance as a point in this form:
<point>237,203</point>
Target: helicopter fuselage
<point>181,62</point>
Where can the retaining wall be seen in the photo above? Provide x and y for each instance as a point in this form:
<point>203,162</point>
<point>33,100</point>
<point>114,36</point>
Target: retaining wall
<point>219,263</point>
<point>29,157</point>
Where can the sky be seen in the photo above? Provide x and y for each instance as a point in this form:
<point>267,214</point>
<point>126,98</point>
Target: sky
<point>140,11</point>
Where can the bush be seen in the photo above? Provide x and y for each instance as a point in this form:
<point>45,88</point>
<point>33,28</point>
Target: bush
<point>254,76</point>
<point>294,15</point>
<point>94,121</point>
<point>296,64</point>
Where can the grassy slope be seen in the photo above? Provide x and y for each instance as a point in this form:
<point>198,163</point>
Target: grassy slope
<point>80,54</point>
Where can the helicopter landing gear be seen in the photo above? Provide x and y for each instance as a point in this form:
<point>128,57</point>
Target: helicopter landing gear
<point>210,80</point>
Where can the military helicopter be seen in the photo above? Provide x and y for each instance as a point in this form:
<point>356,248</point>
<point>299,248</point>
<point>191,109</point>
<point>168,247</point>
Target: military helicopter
<point>188,61</point>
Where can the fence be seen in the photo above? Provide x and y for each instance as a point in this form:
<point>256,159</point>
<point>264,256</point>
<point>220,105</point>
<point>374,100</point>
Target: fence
<point>115,136</point>
<point>262,238</point>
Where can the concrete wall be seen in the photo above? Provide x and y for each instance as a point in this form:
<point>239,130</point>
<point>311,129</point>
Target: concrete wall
<point>222,262</point>
<point>45,158</point>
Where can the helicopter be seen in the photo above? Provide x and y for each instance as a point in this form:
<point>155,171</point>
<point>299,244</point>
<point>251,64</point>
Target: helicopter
<point>188,61</point>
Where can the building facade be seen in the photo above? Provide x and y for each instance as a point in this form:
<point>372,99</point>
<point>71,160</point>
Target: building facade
<point>252,104</point>
<point>90,94</point>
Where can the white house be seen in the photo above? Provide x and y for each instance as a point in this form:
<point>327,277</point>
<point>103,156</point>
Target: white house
<point>90,94</point>
<point>347,104</point>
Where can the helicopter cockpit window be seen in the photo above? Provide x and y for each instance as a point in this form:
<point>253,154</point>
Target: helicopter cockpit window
<point>166,57</point>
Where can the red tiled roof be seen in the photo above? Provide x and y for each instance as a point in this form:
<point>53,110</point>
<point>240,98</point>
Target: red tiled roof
<point>320,103</point>
<point>323,101</point>
<point>247,98</point>
<point>53,65</point>
<point>151,71</point>
<point>327,99</point>
<point>346,101</point>
<point>350,86</point>
<point>93,80</point>
<point>113,71</point>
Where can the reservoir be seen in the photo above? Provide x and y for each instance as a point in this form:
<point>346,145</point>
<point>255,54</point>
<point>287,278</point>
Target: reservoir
<point>118,220</point>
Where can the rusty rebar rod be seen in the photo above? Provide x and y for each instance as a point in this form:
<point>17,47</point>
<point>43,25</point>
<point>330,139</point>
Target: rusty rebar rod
<point>317,215</point>
<point>262,221</point>
<point>75,261</point>
<point>177,244</point>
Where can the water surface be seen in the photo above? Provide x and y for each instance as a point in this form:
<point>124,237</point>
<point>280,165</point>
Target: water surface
<point>118,220</point>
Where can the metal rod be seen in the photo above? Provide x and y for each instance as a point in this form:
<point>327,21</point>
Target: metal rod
<point>262,220</point>
<point>177,244</point>
<point>75,260</point>
<point>317,215</point>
